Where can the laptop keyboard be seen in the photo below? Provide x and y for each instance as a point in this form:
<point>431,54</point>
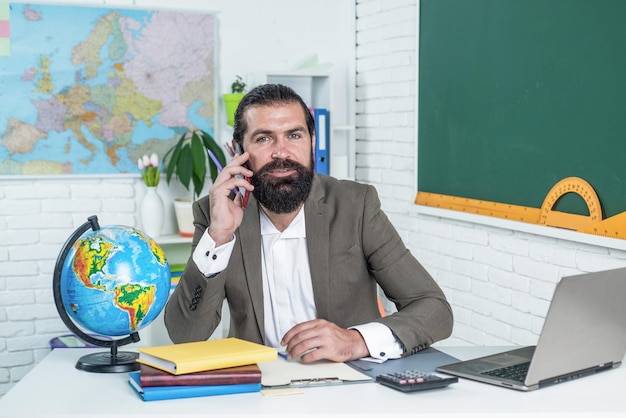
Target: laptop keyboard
<point>516,372</point>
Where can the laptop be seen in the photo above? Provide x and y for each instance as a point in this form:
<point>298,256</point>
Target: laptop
<point>583,333</point>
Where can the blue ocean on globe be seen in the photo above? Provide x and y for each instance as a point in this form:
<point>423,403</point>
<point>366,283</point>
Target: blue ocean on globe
<point>115,281</point>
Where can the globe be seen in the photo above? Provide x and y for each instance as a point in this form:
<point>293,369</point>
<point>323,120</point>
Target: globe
<point>110,282</point>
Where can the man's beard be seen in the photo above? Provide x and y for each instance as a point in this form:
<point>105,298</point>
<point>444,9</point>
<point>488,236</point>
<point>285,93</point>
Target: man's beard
<point>282,195</point>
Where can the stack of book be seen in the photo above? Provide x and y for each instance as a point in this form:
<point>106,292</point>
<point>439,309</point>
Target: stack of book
<point>176,270</point>
<point>204,368</point>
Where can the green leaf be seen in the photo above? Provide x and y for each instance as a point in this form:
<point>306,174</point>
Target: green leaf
<point>188,159</point>
<point>198,184</point>
<point>212,145</point>
<point>214,172</point>
<point>184,168</point>
<point>199,162</point>
<point>174,155</point>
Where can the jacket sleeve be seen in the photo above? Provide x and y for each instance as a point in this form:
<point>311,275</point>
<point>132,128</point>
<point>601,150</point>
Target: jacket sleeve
<point>423,314</point>
<point>193,310</point>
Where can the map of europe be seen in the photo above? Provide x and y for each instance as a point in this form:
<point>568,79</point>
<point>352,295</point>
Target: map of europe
<point>90,90</point>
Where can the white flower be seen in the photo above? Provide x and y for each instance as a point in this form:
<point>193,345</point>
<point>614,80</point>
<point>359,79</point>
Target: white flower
<point>149,167</point>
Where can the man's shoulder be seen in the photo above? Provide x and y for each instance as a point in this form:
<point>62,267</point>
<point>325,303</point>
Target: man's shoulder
<point>201,205</point>
<point>331,183</point>
<point>202,201</point>
<point>331,187</point>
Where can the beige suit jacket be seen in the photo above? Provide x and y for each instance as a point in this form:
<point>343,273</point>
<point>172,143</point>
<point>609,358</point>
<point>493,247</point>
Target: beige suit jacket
<point>352,246</point>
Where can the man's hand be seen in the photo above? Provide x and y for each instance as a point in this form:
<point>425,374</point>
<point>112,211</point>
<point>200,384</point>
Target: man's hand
<point>226,214</point>
<point>319,339</point>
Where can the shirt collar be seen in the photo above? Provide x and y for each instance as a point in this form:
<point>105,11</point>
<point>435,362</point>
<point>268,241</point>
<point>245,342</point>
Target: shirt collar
<point>296,228</point>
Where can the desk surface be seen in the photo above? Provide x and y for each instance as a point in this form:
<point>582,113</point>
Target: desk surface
<point>56,387</point>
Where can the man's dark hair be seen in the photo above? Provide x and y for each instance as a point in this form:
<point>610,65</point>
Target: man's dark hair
<point>268,95</point>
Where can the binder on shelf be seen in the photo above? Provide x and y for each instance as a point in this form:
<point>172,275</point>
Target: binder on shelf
<point>176,271</point>
<point>177,268</point>
<point>322,142</point>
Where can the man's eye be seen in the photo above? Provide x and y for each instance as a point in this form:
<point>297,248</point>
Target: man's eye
<point>262,139</point>
<point>295,136</point>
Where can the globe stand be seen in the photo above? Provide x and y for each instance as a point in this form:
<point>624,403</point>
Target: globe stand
<point>113,362</point>
<point>104,362</point>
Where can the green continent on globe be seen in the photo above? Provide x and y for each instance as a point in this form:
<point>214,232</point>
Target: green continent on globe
<point>91,256</point>
<point>156,250</point>
<point>136,300</point>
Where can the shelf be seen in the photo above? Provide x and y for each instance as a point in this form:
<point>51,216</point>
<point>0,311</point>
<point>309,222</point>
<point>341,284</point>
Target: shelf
<point>319,89</point>
<point>343,128</point>
<point>173,239</point>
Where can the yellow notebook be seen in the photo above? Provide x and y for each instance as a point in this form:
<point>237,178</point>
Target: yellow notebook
<point>205,355</point>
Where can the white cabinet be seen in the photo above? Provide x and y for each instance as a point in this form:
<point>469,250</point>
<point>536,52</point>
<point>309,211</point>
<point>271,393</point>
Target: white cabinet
<point>324,91</point>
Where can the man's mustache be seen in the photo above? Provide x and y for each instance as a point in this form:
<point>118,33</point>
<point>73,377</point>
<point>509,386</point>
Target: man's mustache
<point>280,165</point>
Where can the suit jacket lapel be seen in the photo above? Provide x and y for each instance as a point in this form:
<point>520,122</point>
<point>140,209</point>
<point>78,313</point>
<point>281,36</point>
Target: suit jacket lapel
<point>250,243</point>
<point>318,239</point>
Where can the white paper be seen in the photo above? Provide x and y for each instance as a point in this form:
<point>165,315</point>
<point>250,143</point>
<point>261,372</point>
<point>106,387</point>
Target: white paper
<point>283,372</point>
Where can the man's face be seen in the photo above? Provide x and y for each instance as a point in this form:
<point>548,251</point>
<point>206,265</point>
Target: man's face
<point>281,155</point>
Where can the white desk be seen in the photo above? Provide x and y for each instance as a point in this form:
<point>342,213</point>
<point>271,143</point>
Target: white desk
<point>55,388</point>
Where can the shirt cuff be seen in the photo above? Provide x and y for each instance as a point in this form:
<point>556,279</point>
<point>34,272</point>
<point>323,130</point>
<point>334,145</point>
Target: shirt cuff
<point>210,259</point>
<point>380,342</point>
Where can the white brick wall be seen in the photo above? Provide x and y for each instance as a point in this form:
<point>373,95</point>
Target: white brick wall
<point>498,281</point>
<point>36,218</point>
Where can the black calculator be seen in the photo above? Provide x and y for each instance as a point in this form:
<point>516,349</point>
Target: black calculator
<point>414,380</point>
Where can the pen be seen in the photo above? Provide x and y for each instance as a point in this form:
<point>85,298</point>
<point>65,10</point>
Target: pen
<point>219,166</point>
<point>215,160</point>
<point>246,195</point>
<point>230,149</point>
<point>315,381</point>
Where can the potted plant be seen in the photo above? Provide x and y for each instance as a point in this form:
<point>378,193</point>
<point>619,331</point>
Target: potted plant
<point>188,160</point>
<point>232,99</point>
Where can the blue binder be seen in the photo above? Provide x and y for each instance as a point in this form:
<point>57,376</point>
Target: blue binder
<point>322,143</point>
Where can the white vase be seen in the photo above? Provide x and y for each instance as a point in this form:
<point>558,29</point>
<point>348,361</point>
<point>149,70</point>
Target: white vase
<point>152,213</point>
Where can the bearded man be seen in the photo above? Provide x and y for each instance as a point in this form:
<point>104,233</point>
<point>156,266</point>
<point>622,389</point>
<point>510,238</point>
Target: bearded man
<point>300,265</point>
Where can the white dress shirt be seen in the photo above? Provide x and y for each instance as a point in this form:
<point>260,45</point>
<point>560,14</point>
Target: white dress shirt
<point>287,288</point>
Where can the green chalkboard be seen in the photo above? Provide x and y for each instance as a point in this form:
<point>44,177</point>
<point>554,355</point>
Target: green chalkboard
<point>515,95</point>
